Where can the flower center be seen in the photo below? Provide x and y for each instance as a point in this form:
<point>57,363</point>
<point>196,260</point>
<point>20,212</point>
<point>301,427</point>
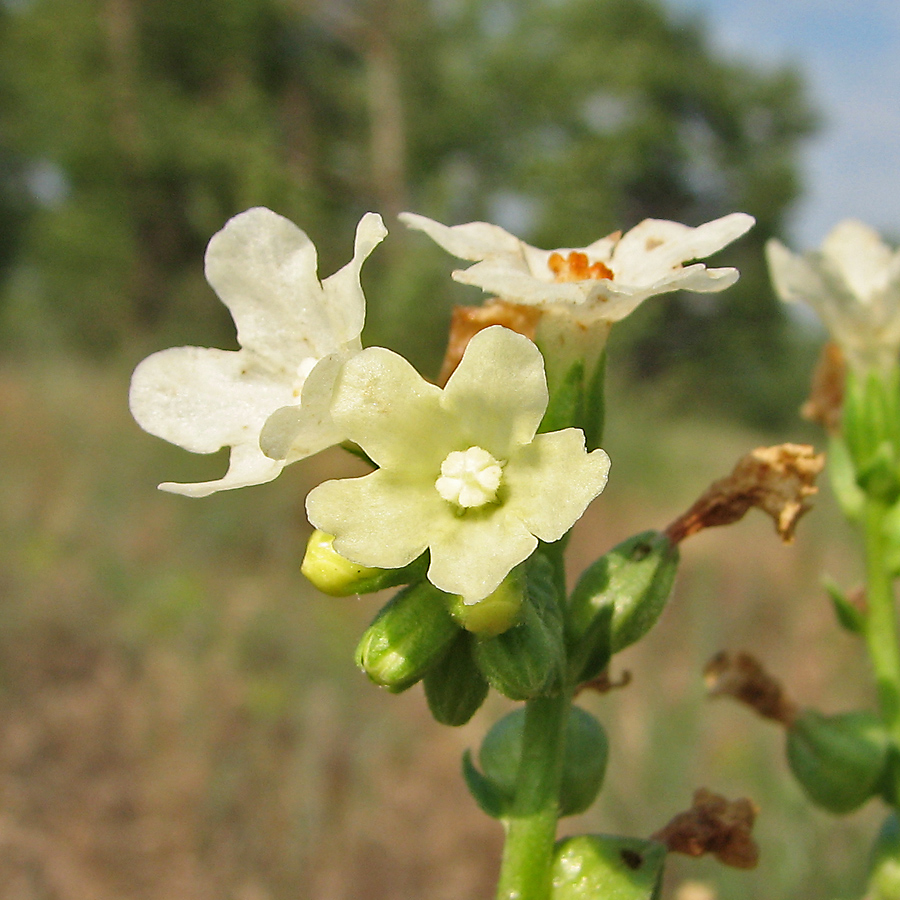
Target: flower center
<point>575,267</point>
<point>306,366</point>
<point>469,478</point>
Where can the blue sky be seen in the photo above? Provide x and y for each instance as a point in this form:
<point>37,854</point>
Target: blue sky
<point>849,52</point>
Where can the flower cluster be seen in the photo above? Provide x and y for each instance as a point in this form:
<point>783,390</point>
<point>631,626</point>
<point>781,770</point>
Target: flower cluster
<point>461,472</point>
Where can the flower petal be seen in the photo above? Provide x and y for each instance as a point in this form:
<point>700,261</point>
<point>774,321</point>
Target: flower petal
<point>656,246</point>
<point>858,255</point>
<point>382,403</point>
<point>203,399</point>
<point>474,240</point>
<point>499,390</point>
<point>552,480</point>
<point>263,267</point>
<point>471,555</point>
<point>381,519</point>
<point>345,303</point>
<point>247,466</point>
<point>295,432</point>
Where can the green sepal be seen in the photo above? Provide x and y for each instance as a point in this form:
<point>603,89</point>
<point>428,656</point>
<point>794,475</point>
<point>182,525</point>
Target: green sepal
<point>454,687</point>
<point>528,660</point>
<point>871,428</point>
<point>606,867</point>
<point>407,637</point>
<point>566,405</point>
<point>840,761</point>
<point>489,798</point>
<point>884,865</point>
<point>584,759</point>
<point>630,586</point>
<point>849,617</point>
<point>336,576</point>
<point>594,418</point>
<point>842,477</point>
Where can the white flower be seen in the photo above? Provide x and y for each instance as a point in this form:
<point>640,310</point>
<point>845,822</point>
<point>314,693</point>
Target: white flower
<point>853,283</point>
<point>461,471</point>
<point>604,281</point>
<point>294,333</point>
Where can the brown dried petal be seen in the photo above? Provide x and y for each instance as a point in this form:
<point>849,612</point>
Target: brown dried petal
<point>714,825</point>
<point>742,677</point>
<point>467,321</point>
<point>826,398</point>
<point>774,479</point>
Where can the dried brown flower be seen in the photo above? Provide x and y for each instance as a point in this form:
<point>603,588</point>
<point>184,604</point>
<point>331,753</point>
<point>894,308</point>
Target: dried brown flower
<point>467,321</point>
<point>714,825</point>
<point>826,397</point>
<point>741,676</point>
<point>776,480</point>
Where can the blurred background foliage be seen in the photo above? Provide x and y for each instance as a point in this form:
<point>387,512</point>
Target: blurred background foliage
<point>181,715</point>
<point>130,131</point>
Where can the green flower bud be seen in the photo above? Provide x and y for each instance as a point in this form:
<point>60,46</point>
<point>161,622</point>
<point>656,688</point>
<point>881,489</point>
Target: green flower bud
<point>408,637</point>
<point>338,577</point>
<point>497,613</point>
<point>454,687</point>
<point>838,760</point>
<point>618,599</point>
<point>884,869</point>
<point>590,866</point>
<point>871,428</point>
<point>584,761</point>
<point>528,660</point>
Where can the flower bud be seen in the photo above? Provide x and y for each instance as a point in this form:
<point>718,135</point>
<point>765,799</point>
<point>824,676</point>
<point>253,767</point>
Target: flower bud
<point>528,659</point>
<point>336,576</point>
<point>871,426</point>
<point>498,612</point>
<point>601,865</point>
<point>618,599</point>
<point>838,760</point>
<point>584,761</point>
<point>454,687</point>
<point>408,636</point>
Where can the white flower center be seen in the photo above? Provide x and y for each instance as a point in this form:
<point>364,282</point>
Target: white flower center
<point>469,478</point>
<point>306,366</point>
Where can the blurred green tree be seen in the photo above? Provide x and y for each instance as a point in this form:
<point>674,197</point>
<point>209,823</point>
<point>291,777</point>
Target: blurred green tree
<point>144,124</point>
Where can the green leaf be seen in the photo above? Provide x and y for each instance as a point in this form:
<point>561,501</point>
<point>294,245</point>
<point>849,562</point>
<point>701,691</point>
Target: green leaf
<point>847,614</point>
<point>605,867</point>
<point>490,799</point>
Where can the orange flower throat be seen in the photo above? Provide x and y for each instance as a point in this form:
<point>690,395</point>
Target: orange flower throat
<point>575,267</point>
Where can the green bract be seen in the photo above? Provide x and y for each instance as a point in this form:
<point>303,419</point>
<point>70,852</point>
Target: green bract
<point>839,760</point>
<point>462,472</point>
<point>584,762</point>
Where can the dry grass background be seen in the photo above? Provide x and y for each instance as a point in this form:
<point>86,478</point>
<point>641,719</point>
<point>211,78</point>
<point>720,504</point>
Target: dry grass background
<point>180,717</point>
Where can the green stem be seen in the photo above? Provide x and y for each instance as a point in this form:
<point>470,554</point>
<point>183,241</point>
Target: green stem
<point>531,825</point>
<point>881,620</point>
